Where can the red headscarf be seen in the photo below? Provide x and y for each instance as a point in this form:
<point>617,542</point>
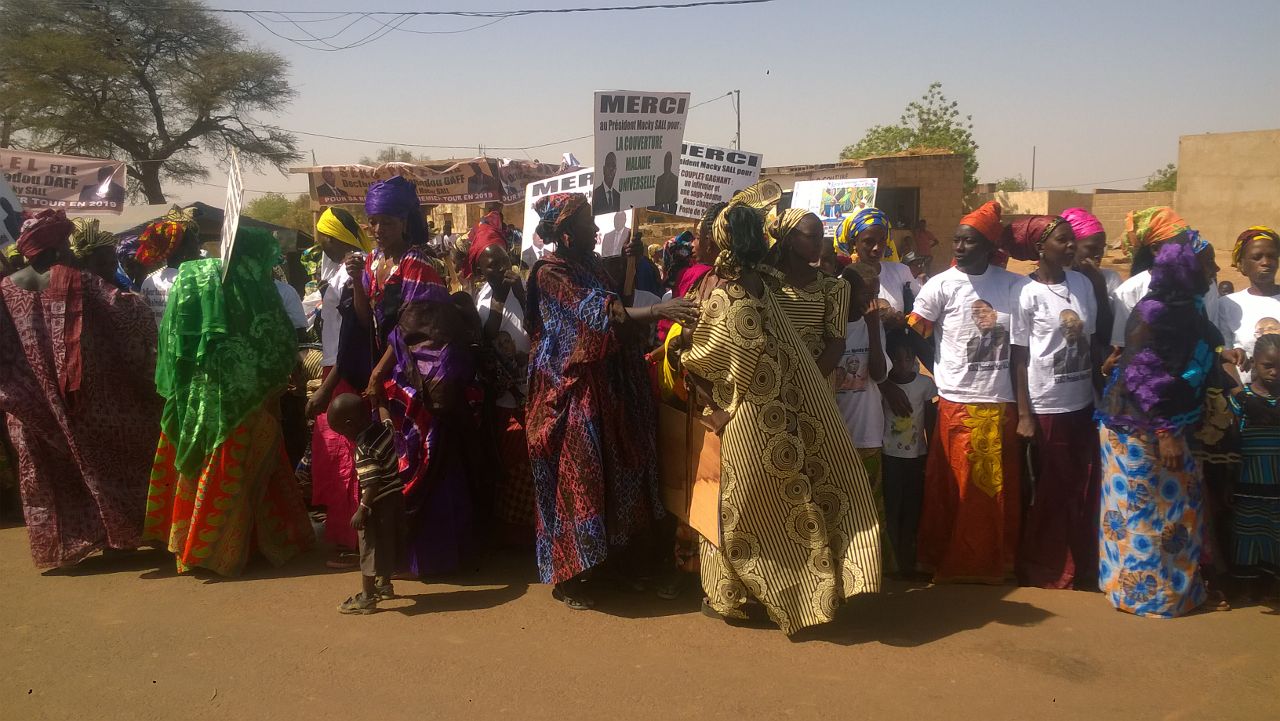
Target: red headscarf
<point>986,220</point>
<point>45,230</point>
<point>486,234</point>
<point>1023,237</point>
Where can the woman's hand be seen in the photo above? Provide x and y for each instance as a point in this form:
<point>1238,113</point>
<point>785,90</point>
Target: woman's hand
<point>354,263</point>
<point>896,398</point>
<point>1027,427</point>
<point>1171,451</point>
<point>1235,357</point>
<point>678,310</point>
<point>318,403</point>
<point>374,389</point>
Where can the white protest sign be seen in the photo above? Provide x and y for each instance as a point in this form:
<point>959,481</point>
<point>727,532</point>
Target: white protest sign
<point>638,136</point>
<point>579,181</point>
<point>832,200</point>
<point>710,175</point>
<point>231,212</point>
<point>10,214</point>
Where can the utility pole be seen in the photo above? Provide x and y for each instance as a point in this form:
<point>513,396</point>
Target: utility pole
<point>737,105</point>
<point>1033,167</point>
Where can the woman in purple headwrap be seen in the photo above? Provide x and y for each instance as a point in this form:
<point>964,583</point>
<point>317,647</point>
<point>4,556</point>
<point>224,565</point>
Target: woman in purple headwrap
<point>591,420</point>
<point>417,371</point>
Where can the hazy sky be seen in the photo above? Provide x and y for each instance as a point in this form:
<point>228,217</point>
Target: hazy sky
<point>1102,89</point>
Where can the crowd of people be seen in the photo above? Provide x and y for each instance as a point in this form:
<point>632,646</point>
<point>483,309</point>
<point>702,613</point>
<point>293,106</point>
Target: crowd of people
<point>785,416</point>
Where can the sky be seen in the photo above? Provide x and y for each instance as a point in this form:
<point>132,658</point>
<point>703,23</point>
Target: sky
<point>1101,90</point>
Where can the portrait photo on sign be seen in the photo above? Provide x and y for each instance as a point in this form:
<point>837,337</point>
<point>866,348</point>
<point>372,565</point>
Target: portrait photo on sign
<point>614,232</point>
<point>832,200</point>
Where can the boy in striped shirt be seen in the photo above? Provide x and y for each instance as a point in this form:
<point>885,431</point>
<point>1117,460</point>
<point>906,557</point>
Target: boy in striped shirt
<point>379,520</point>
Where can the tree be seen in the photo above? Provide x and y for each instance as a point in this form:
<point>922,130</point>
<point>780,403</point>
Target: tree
<point>392,154</point>
<point>1012,185</point>
<point>151,83</point>
<point>1165,178</point>
<point>933,121</point>
<point>279,209</point>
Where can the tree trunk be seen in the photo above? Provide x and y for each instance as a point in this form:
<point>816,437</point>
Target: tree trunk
<point>150,177</point>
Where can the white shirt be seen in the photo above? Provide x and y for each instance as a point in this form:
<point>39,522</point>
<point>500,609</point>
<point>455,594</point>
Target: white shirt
<point>155,290</point>
<point>904,435</point>
<point>292,304</point>
<point>972,366</point>
<point>1243,317</point>
<point>1059,374</point>
<point>334,275</point>
<point>893,276</point>
<point>1126,297</point>
<point>857,394</point>
<point>1112,279</point>
<point>510,330</point>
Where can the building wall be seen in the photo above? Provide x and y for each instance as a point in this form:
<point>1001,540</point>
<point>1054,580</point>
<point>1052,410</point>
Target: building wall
<point>1034,202</point>
<point>1228,182</point>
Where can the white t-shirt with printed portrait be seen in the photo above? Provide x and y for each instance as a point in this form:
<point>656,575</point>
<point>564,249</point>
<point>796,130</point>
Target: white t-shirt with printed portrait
<point>973,323</point>
<point>857,393</point>
<point>1054,322</point>
<point>1243,318</point>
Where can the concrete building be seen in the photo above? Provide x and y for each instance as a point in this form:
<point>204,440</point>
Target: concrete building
<point>1033,202</point>
<point>1228,182</point>
<point>916,184</point>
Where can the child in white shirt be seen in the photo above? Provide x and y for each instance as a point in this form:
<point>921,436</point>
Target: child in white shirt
<point>905,448</point>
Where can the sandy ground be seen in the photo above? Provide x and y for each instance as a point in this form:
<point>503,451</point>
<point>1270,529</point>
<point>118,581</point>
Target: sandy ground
<point>127,638</point>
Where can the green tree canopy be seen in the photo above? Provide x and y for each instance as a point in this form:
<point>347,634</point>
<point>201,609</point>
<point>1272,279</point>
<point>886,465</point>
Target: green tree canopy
<point>1165,178</point>
<point>152,83</point>
<point>933,121</point>
<point>392,154</point>
<point>1012,185</point>
<point>279,209</point>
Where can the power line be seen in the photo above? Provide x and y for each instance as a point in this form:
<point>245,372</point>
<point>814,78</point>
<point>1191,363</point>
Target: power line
<point>447,13</point>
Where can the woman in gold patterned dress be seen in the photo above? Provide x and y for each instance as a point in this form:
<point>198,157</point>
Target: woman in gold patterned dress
<point>798,531</point>
<point>816,303</point>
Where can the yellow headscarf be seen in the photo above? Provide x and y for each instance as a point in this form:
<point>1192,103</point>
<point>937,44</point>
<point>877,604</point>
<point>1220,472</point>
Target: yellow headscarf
<point>1257,231</point>
<point>88,236</point>
<point>353,235</point>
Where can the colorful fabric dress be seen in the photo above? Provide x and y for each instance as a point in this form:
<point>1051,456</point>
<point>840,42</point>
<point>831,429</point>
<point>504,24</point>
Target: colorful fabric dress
<point>222,484</point>
<point>591,421</point>
<point>428,442</point>
<point>1256,527</point>
<point>76,366</point>
<point>799,531</point>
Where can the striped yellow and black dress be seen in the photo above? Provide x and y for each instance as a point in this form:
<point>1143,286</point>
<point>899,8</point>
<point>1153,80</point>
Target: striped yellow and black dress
<point>798,529</point>
<point>818,312</point>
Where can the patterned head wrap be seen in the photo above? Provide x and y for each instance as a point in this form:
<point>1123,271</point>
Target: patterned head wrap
<point>1083,223</point>
<point>758,197</point>
<point>558,209</point>
<point>1257,231</point>
<point>486,234</point>
<point>986,220</point>
<point>159,239</point>
<point>342,226</point>
<point>88,236</point>
<point>1023,237</point>
<point>43,231</point>
<point>779,225</point>
<point>676,252</point>
<point>853,225</point>
<point>1151,227</point>
<point>398,197</point>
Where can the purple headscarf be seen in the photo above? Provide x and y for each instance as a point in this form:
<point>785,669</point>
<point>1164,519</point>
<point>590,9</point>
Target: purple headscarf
<point>398,197</point>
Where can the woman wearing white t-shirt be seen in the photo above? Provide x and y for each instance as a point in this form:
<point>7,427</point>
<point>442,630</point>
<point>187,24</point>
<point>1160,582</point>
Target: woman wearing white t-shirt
<point>1052,329</point>
<point>970,517</point>
<point>1245,316</point>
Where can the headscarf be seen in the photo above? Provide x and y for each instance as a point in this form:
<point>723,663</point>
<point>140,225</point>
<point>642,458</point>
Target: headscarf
<point>1083,223</point>
<point>676,253</point>
<point>1257,231</point>
<point>398,197</point>
<point>853,225</point>
<point>758,197</point>
<point>1022,239</point>
<point>160,238</point>
<point>558,209</point>
<point>224,347</point>
<point>485,235</point>
<point>342,226</point>
<point>46,230</point>
<point>1151,227</point>
<point>88,236</point>
<point>779,225</point>
<point>986,220</point>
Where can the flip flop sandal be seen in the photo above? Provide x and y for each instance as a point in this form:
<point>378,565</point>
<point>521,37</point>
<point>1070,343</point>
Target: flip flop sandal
<point>359,604</point>
<point>574,599</point>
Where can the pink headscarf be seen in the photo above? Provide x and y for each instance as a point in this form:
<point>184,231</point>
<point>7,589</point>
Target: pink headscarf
<point>1083,223</point>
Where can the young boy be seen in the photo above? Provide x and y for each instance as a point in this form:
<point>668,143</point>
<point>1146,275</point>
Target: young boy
<point>379,519</point>
<point>905,450</point>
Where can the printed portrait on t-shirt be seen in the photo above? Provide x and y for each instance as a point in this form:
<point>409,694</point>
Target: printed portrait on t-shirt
<point>991,344</point>
<point>1073,357</point>
<point>851,376</point>
<point>1266,326</point>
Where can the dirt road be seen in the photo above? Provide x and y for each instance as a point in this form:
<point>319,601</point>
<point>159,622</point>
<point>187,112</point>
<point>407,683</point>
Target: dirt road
<point>128,639</point>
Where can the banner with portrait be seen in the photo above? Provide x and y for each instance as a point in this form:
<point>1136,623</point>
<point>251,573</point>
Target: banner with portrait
<point>710,175</point>
<point>73,183</point>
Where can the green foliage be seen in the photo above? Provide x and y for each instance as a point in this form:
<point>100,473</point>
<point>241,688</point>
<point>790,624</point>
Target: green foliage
<point>392,154</point>
<point>1165,178</point>
<point>152,83</point>
<point>1012,185</point>
<point>933,121</point>
<point>279,209</point>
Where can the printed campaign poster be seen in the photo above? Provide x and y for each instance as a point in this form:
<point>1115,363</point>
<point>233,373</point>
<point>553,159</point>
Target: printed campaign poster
<point>72,183</point>
<point>10,215</point>
<point>710,175</point>
<point>637,137</point>
<point>832,200</point>
<point>468,181</point>
<point>517,174</point>
<point>614,228</point>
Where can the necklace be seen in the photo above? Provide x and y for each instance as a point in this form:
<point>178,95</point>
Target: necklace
<point>1049,287</point>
